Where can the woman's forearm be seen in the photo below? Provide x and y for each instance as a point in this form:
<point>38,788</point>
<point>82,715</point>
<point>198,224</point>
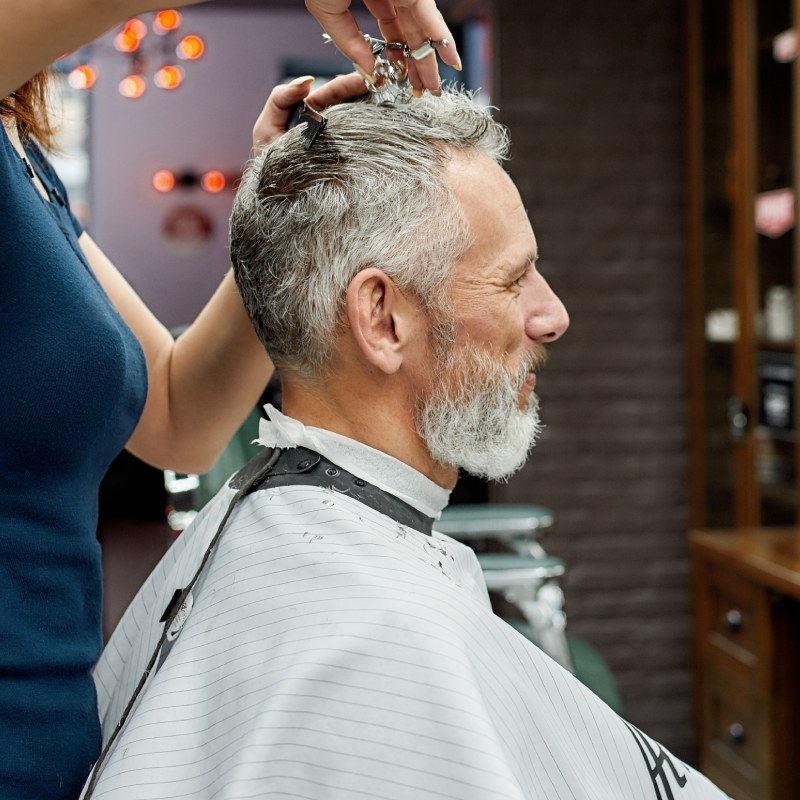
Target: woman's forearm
<point>216,373</point>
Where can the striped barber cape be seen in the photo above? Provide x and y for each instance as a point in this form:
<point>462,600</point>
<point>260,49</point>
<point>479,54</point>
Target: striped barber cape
<point>330,651</point>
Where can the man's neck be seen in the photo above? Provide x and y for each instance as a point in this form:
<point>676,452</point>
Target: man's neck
<point>376,422</point>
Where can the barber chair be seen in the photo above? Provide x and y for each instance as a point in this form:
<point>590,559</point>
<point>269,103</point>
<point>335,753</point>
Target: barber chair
<point>518,527</point>
<point>523,574</point>
<point>525,584</point>
<point>532,585</point>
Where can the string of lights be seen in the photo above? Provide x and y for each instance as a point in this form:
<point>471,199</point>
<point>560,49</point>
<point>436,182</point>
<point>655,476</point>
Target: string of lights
<point>166,48</point>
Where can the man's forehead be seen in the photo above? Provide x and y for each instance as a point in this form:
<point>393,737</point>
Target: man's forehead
<point>501,233</point>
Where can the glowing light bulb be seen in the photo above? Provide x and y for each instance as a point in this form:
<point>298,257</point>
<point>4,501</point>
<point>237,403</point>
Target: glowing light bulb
<point>213,181</point>
<point>168,77</point>
<point>166,21</point>
<point>190,47</point>
<point>83,76</point>
<point>127,41</point>
<point>163,180</point>
<point>136,27</point>
<point>132,86</point>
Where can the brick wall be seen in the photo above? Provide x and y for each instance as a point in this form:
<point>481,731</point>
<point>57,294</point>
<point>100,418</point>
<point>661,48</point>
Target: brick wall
<point>593,94</point>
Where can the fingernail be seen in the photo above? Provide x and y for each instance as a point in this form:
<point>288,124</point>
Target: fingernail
<point>417,91</point>
<point>436,92</point>
<point>365,75</point>
<point>458,65</point>
<point>300,81</point>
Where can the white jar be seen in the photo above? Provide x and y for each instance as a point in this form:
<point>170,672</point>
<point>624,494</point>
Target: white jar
<point>779,314</point>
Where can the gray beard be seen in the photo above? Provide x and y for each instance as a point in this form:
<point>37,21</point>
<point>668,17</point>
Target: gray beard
<point>472,419</point>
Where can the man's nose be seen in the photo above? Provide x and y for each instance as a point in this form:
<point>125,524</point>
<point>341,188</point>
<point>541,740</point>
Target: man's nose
<point>546,318</point>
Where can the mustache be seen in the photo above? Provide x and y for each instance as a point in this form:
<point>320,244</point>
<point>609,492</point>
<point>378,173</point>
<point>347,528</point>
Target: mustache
<point>469,364</point>
<point>534,361</point>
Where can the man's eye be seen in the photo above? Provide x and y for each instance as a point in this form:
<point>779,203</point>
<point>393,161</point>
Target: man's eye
<point>522,276</point>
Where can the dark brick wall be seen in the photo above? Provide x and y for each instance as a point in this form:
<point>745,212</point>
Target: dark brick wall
<point>593,95</point>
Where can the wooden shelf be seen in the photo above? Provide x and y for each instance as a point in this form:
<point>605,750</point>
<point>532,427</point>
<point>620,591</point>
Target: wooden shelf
<point>769,556</point>
<point>773,346</point>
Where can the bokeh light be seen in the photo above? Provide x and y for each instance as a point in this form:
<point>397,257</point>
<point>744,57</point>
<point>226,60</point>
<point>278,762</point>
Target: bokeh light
<point>166,21</point>
<point>83,76</point>
<point>136,27</point>
<point>132,86</point>
<point>127,41</point>
<point>163,180</point>
<point>213,181</point>
<point>190,47</point>
<point>168,77</point>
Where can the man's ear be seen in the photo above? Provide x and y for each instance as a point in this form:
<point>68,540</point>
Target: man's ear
<point>381,319</point>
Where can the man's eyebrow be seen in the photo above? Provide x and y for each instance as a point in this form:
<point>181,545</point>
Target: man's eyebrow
<point>523,264</point>
<point>516,269</point>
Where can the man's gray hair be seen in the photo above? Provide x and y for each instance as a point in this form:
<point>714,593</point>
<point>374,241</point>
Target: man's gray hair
<point>370,192</point>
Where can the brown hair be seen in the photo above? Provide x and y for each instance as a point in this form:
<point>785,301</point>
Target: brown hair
<point>28,107</point>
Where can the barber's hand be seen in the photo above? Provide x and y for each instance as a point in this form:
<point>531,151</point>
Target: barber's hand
<point>409,21</point>
<point>272,120</point>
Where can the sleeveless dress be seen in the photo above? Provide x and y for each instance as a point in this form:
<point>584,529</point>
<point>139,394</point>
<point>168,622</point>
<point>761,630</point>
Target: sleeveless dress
<point>73,382</point>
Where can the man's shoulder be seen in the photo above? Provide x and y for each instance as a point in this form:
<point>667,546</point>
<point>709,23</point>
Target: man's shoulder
<point>284,507</point>
<point>309,535</point>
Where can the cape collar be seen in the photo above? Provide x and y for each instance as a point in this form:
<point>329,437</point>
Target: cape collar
<point>380,469</point>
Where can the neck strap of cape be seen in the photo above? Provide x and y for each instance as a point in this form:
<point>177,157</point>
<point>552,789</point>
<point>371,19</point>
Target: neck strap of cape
<point>300,466</point>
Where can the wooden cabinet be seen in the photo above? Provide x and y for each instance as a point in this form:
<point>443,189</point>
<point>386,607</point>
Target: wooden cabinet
<point>747,660</point>
<point>744,264</point>
<point>743,151</point>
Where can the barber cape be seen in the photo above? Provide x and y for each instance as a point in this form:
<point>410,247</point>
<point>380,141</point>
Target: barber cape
<point>330,651</point>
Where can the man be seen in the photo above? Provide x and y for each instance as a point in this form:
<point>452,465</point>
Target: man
<point>314,640</point>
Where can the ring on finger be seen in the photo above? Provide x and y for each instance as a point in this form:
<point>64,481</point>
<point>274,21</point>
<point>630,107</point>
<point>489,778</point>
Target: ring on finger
<point>425,49</point>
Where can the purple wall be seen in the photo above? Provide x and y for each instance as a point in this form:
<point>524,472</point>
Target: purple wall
<point>206,124</point>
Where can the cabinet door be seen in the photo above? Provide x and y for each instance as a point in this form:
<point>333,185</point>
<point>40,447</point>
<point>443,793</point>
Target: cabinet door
<point>773,253</point>
<point>743,262</point>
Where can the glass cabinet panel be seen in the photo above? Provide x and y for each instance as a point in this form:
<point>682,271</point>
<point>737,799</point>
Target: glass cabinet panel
<point>744,281</point>
<point>773,204</point>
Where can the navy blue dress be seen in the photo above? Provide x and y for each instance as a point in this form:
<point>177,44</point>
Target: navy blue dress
<point>73,382</point>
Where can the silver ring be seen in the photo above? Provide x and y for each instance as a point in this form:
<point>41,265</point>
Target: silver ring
<point>426,48</point>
